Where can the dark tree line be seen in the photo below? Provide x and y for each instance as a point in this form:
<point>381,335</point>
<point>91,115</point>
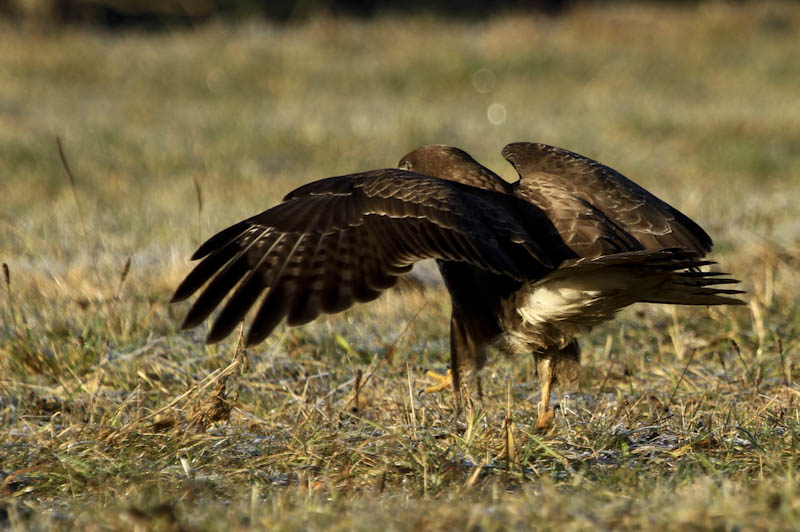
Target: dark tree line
<point>156,14</point>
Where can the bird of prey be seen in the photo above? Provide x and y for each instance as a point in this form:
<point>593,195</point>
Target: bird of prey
<point>529,265</point>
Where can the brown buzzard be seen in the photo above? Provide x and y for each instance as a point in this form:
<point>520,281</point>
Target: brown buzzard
<point>529,266</point>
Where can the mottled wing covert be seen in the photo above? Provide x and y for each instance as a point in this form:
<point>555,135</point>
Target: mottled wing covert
<point>596,209</point>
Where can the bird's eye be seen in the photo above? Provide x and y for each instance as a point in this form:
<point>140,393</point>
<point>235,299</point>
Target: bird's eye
<point>404,165</point>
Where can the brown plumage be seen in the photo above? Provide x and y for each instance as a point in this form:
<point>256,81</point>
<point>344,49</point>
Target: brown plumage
<point>529,265</point>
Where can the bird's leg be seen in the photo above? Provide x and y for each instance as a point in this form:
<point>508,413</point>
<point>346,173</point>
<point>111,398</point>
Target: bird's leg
<point>469,393</point>
<point>544,367</point>
<point>466,360</point>
<point>556,367</point>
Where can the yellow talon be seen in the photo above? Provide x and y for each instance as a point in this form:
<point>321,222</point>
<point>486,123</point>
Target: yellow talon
<point>545,419</point>
<point>443,382</point>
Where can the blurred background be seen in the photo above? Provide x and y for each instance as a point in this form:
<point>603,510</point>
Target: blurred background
<point>158,14</point>
<point>179,118</point>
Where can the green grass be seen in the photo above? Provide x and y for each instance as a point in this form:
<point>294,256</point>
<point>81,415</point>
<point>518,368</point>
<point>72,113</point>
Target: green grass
<point>686,419</point>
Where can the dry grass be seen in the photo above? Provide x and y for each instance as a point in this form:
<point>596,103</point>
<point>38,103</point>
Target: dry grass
<point>110,419</point>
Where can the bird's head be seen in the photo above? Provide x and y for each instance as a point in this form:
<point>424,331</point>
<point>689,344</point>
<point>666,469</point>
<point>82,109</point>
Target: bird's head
<point>452,164</point>
<point>437,160</point>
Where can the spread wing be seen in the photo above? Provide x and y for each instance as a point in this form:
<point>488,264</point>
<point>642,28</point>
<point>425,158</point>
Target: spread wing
<point>596,209</point>
<point>344,239</point>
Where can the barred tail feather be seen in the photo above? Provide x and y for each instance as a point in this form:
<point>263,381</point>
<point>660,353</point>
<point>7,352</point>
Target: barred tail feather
<point>696,288</point>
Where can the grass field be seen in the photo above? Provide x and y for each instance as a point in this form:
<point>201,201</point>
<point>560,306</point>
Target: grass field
<point>686,419</point>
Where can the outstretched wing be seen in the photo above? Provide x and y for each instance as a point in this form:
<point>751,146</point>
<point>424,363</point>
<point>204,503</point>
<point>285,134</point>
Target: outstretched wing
<point>596,209</point>
<point>344,239</point>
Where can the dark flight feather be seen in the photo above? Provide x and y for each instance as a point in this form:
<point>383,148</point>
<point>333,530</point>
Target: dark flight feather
<point>566,184</point>
<point>340,240</point>
<point>529,265</point>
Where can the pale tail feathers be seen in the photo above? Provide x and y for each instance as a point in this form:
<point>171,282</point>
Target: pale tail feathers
<point>688,288</point>
<point>668,276</point>
<point>583,293</point>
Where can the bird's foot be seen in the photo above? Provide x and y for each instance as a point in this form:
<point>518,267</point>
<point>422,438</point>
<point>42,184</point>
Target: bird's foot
<point>443,382</point>
<point>545,420</point>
